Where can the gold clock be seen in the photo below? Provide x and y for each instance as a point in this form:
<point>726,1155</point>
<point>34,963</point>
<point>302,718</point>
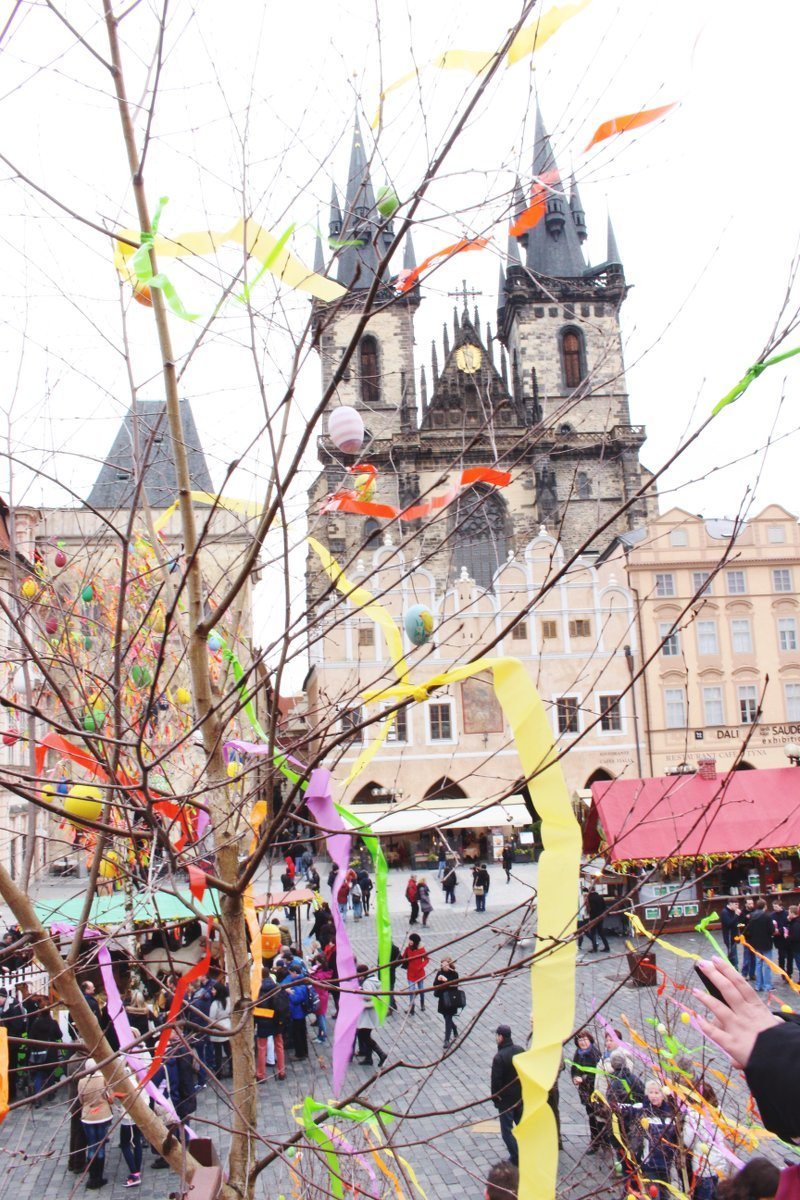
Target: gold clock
<point>468,359</point>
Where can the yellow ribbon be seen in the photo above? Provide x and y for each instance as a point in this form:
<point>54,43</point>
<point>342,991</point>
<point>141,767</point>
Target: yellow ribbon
<point>260,243</point>
<point>553,972</point>
<point>636,923</point>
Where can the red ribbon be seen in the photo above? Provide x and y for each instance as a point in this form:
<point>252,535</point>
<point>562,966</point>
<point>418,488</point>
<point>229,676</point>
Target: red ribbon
<point>193,973</point>
<point>197,882</point>
<point>346,501</point>
<point>628,121</point>
<point>407,279</point>
<point>538,205</point>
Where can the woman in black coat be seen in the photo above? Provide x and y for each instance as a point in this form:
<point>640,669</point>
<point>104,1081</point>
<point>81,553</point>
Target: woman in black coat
<point>582,1071</point>
<point>445,985</point>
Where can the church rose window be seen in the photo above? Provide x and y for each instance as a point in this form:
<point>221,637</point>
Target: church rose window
<point>572,357</point>
<point>368,370</point>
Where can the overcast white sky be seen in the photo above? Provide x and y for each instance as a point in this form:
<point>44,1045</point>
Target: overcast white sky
<point>704,205</point>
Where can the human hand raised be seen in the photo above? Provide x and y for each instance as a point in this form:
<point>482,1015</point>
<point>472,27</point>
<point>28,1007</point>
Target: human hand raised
<point>740,1019</point>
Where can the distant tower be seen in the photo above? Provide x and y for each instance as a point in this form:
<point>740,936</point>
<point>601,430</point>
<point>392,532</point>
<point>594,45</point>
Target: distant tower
<point>559,321</point>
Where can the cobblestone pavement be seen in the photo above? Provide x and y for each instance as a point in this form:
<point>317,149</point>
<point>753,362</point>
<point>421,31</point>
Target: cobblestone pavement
<point>447,1125</point>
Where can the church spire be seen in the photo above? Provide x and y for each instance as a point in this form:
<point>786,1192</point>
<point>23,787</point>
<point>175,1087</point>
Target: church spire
<point>357,263</point>
<point>613,256</point>
<point>576,208</point>
<point>554,248</point>
<point>409,257</point>
<point>335,219</point>
<point>319,259</point>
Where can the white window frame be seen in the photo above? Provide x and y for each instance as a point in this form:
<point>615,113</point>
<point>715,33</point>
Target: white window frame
<point>730,576</point>
<point>787,633</point>
<point>709,623</point>
<point>453,739</point>
<point>665,583</point>
<point>392,738</point>
<point>778,574</point>
<point>776,535</point>
<point>620,707</point>
<point>718,700</point>
<point>670,641</point>
<point>567,696</point>
<point>678,537</point>
<point>670,700</point>
<point>736,635</point>
<point>702,583</point>
<point>792,702</point>
<point>748,700</point>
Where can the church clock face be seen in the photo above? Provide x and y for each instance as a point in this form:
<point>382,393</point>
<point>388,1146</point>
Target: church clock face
<point>468,359</point>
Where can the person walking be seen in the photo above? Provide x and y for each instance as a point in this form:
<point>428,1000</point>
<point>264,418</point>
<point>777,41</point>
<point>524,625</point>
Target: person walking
<point>780,935</point>
<point>220,1032</point>
<point>424,898</point>
<point>729,920</point>
<point>411,897</point>
<point>366,885</point>
<point>271,1010</point>
<point>15,1020</point>
<point>342,897</point>
<point>322,976</point>
<point>312,878</point>
<point>506,1089</point>
<point>508,860</point>
<point>596,907</point>
<point>95,1100</point>
<point>300,1005</point>
<point>445,986</point>
<point>758,935</point>
<point>44,1036</point>
<point>480,886</point>
<point>356,900</point>
<point>584,1076</point>
<point>441,861</point>
<point>368,1021</point>
<point>748,958</point>
<point>131,1142</point>
<point>450,883</point>
<point>414,960</point>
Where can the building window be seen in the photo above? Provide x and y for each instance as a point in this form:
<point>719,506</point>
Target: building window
<point>520,632</point>
<point>782,579</point>
<point>737,583</point>
<point>707,642</point>
<point>399,731</point>
<point>665,584</point>
<point>776,534</point>
<point>713,711</point>
<point>549,631</point>
<point>670,641</point>
<point>478,535</point>
<point>584,486</point>
<point>568,714</point>
<point>368,370</point>
<point>372,532</point>
<point>675,708</point>
<point>787,633</point>
<point>572,357</point>
<point>792,693</point>
<point>678,537</point>
<point>610,715</point>
<point>440,720</point>
<point>579,629</point>
<point>700,584</point>
<point>748,703</point>
<point>350,720</point>
<point>741,636</point>
<point>366,635</point>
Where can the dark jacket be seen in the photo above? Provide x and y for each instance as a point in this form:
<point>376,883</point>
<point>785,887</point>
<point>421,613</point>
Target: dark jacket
<point>587,1080</point>
<point>729,920</point>
<point>15,1019</point>
<point>660,1136</point>
<point>624,1088</point>
<point>780,926</point>
<point>793,935</point>
<point>271,1009</point>
<point>773,1077</point>
<point>506,1087</point>
<point>445,983</point>
<point>43,1027</point>
<point>758,933</point>
<point>180,1075</point>
<point>450,880</point>
<point>595,905</point>
<point>481,878</point>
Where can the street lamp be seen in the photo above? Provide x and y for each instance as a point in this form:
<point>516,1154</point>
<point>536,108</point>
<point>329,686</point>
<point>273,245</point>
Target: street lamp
<point>792,752</point>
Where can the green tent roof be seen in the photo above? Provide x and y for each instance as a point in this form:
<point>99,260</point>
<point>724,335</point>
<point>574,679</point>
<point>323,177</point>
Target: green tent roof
<point>148,908</point>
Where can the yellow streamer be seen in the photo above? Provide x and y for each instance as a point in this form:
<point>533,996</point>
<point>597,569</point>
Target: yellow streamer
<point>553,973</point>
<point>253,929</point>
<point>258,242</point>
<point>636,922</point>
<point>529,39</point>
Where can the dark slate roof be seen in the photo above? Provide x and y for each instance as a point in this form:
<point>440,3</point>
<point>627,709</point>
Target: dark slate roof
<point>554,248</point>
<point>357,264</point>
<point>115,485</point>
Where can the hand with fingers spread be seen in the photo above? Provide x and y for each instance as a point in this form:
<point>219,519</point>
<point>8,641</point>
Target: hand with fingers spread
<point>739,1018</point>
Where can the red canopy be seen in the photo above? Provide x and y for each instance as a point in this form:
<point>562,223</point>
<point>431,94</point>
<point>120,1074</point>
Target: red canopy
<point>688,816</point>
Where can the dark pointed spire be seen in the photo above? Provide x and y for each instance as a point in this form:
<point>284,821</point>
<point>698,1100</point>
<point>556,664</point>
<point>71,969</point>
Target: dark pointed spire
<point>504,367</point>
<point>319,260</point>
<point>519,209</point>
<point>446,344</point>
<point>512,257</point>
<point>501,288</point>
<point>456,324</point>
<point>490,343</point>
<point>612,252</point>
<point>423,389</point>
<point>335,219</point>
<point>434,366</point>
<point>409,258</point>
<point>408,408</point>
<point>554,249</point>
<point>358,262</point>
<point>476,319</point>
<point>576,208</point>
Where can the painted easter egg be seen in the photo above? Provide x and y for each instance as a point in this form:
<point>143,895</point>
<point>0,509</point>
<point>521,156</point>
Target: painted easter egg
<point>418,623</point>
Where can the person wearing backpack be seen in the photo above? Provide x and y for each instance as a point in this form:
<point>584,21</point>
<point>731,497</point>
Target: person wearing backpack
<point>301,1003</point>
<point>270,1012</point>
<point>411,897</point>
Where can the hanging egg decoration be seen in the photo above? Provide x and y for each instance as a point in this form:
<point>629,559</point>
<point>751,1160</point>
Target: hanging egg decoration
<point>270,941</point>
<point>10,737</point>
<point>214,642</point>
<point>29,589</point>
<point>365,485</point>
<point>387,201</point>
<point>346,429</point>
<point>93,719</point>
<point>83,802</point>
<point>418,623</point>
<point>109,865</point>
<point>51,625</point>
<point>159,623</point>
<point>18,682</point>
<point>140,676</point>
<point>182,696</point>
<point>87,595</point>
<point>62,788</point>
<point>142,294</point>
<point>232,769</point>
<point>60,558</point>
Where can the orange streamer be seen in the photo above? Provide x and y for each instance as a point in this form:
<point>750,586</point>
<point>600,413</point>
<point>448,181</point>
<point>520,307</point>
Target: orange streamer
<point>538,205</point>
<point>196,972</point>
<point>629,121</point>
<point>407,279</point>
<point>772,966</point>
<point>346,501</point>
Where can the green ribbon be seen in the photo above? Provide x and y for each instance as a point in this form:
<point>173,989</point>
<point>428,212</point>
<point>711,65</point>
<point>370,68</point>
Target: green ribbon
<point>749,376</point>
<point>315,1132</point>
<point>382,921</point>
<point>702,927</point>
<point>143,268</point>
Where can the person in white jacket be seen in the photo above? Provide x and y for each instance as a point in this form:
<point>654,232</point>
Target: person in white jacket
<point>368,1021</point>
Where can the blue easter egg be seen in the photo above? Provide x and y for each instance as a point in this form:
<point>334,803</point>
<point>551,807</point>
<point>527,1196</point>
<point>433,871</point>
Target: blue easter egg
<point>418,623</point>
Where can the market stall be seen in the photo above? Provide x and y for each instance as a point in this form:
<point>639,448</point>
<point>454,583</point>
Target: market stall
<point>684,844</point>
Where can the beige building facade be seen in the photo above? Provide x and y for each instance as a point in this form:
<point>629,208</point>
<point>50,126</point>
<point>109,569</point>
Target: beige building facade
<point>719,619</point>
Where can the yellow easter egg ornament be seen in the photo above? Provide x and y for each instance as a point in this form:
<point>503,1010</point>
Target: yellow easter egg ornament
<point>183,696</point>
<point>29,589</point>
<point>83,802</point>
<point>109,868</point>
<point>233,770</point>
<point>685,1018</point>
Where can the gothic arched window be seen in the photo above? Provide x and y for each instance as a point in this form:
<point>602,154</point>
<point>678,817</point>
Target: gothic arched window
<point>572,357</point>
<point>368,370</point>
<point>372,532</point>
<point>479,535</point>
<point>584,486</point>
